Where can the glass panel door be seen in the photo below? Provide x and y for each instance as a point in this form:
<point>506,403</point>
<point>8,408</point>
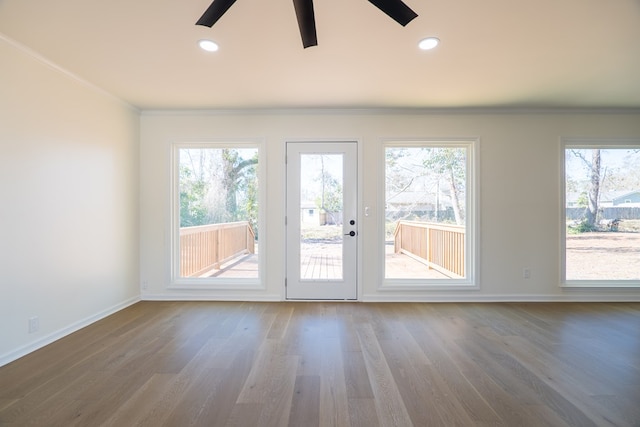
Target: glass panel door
<point>321,220</point>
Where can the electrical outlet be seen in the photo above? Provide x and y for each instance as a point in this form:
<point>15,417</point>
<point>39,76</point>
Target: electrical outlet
<point>145,284</point>
<point>526,273</point>
<point>34,324</point>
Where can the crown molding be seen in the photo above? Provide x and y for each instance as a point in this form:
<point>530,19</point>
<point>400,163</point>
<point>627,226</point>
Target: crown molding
<point>393,111</point>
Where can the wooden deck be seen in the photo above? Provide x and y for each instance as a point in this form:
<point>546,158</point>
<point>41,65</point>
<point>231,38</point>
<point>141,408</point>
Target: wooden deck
<point>323,262</point>
<point>242,267</point>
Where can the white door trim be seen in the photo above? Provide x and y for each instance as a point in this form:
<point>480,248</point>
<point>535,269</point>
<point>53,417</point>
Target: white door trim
<point>344,287</point>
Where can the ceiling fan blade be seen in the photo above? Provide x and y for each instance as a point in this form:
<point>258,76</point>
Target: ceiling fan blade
<point>306,22</point>
<point>396,9</point>
<point>214,12</point>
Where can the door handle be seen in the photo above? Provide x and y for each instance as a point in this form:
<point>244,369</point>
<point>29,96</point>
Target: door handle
<point>351,233</point>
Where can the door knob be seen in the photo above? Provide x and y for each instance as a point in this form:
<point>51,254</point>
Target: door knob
<point>351,233</point>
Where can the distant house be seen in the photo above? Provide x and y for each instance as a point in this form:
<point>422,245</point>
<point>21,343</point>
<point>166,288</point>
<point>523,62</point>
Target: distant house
<point>421,204</point>
<point>412,200</point>
<point>309,213</point>
<point>630,199</point>
<point>623,198</point>
<point>613,205</point>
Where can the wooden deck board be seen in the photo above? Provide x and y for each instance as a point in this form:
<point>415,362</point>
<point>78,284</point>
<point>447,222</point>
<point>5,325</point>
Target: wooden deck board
<point>324,262</point>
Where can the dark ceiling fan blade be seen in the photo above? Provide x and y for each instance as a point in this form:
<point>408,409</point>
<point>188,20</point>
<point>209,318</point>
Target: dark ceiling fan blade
<point>214,12</point>
<point>306,22</point>
<point>396,9</point>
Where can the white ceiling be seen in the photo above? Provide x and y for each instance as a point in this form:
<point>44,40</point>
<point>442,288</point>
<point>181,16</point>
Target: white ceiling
<point>493,53</point>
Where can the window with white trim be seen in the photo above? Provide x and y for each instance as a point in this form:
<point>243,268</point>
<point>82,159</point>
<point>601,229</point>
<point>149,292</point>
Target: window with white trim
<point>216,221</point>
<point>601,213</point>
<point>429,215</point>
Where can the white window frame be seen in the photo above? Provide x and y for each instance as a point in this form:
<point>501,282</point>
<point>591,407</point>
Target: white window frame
<point>216,283</point>
<point>586,143</point>
<point>472,261</point>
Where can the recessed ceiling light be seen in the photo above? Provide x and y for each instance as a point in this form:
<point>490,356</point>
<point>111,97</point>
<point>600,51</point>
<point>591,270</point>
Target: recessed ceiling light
<point>208,45</point>
<point>428,43</point>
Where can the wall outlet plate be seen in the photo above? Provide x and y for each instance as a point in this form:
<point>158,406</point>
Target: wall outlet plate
<point>34,324</point>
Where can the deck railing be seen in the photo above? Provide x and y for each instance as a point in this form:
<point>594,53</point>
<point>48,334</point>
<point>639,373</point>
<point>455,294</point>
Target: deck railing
<point>439,246</point>
<point>205,247</point>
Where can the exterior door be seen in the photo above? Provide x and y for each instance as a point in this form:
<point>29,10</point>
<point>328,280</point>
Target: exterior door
<point>321,223</point>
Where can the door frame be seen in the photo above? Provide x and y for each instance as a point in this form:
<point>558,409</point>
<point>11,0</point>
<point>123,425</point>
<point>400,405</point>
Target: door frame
<point>359,211</point>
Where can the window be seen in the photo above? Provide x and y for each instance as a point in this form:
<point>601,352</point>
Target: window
<point>216,220</point>
<point>601,241</point>
<point>428,231</point>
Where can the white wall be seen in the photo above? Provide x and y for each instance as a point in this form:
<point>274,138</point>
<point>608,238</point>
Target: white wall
<point>69,202</point>
<point>519,173</point>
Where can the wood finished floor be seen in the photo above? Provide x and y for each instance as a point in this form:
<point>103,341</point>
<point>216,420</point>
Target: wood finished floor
<point>336,364</point>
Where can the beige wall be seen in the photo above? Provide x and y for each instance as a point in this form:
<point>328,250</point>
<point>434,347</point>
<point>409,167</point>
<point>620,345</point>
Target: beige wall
<point>69,202</point>
<point>519,172</point>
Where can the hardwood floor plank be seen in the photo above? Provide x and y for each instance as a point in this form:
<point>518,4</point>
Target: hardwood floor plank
<point>483,391</point>
<point>227,390</point>
<point>143,401</point>
<point>621,409</point>
<point>219,356</point>
<point>280,323</point>
<point>334,409</point>
<point>511,375</point>
<point>449,371</point>
<point>99,403</point>
<point>362,412</point>
<point>305,407</point>
<point>425,395</point>
<point>46,400</point>
<point>389,405</point>
<point>271,384</point>
<point>4,403</point>
<point>567,378</point>
<point>245,414</point>
<point>357,380</point>
<point>336,364</point>
<point>217,374</point>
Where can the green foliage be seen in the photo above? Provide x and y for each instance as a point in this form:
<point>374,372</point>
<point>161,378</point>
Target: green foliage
<point>331,199</point>
<point>583,200</point>
<point>218,185</point>
<point>446,161</point>
<point>582,227</point>
<point>193,210</point>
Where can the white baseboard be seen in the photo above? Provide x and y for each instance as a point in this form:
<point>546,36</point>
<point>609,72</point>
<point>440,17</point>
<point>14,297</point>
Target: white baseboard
<point>209,297</point>
<point>501,298</point>
<point>411,298</point>
<point>54,336</point>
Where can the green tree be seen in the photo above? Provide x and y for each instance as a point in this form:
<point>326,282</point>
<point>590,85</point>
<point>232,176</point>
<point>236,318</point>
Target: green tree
<point>593,164</point>
<point>218,185</point>
<point>234,176</point>
<point>193,210</point>
<point>330,198</point>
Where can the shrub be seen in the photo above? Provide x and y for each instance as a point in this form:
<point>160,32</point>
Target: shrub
<point>582,227</point>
